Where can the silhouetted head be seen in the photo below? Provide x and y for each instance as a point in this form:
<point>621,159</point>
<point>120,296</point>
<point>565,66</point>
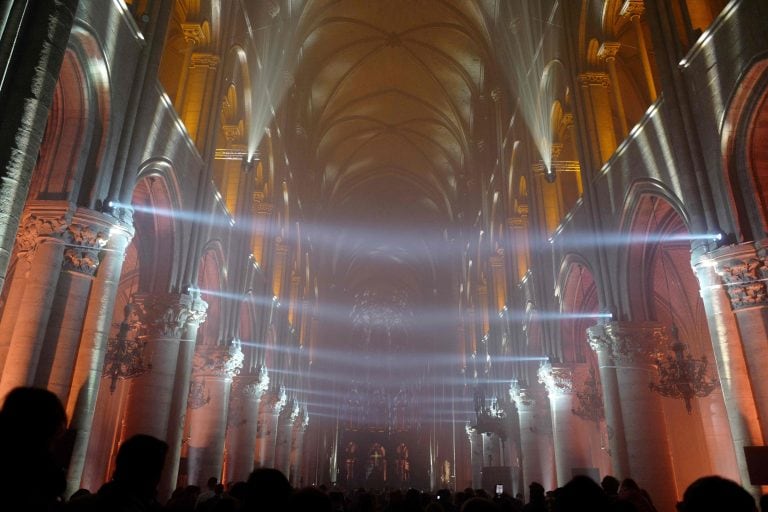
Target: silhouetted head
<point>211,483</point>
<point>268,490</point>
<point>610,484</point>
<point>629,484</point>
<point>714,494</point>
<point>140,462</point>
<point>536,491</point>
<point>581,493</point>
<point>33,414</point>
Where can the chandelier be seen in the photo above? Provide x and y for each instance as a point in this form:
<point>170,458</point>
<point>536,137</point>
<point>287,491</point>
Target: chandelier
<point>125,356</point>
<point>490,418</point>
<point>681,375</point>
<point>590,400</point>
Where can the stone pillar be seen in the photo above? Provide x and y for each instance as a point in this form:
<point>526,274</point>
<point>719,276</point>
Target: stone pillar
<point>297,450</point>
<point>89,364</point>
<point>163,317</point>
<point>242,424</point>
<point>512,445</point>
<point>529,445</point>
<point>617,445</point>
<point>598,109</point>
<point>197,315</point>
<point>35,53</point>
<point>476,456</point>
<point>491,450</point>
<point>608,52</point>
<point>731,356</point>
<point>571,440</point>
<point>288,419</point>
<point>634,9</point>
<point>89,234</point>
<point>634,346</point>
<point>213,369</point>
<point>42,239</point>
<point>272,404</point>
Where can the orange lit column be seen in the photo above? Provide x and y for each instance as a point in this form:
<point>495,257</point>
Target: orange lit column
<point>42,236</point>
<point>633,9</point>
<point>197,315</point>
<point>600,118</point>
<point>529,444</point>
<point>212,372</point>
<point>243,422</point>
<point>89,364</point>
<point>272,404</point>
<point>476,456</point>
<point>608,51</point>
<point>571,440</point>
<point>163,317</point>
<point>634,346</point>
<point>731,356</point>
<point>89,233</point>
<point>617,445</point>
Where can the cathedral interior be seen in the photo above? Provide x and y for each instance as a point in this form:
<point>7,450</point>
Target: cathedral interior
<point>391,243</point>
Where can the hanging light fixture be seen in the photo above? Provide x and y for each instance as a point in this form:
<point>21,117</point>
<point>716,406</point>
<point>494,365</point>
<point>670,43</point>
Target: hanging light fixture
<point>680,374</point>
<point>683,376</point>
<point>125,356</point>
<point>590,400</point>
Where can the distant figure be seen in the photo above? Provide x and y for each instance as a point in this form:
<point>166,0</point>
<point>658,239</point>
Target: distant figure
<point>208,493</point>
<point>536,498</point>
<point>479,505</point>
<point>31,420</point>
<point>630,492</point>
<point>268,490</point>
<point>715,494</point>
<point>133,487</point>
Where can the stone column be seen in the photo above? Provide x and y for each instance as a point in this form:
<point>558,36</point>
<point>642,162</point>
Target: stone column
<point>491,450</point>
<point>634,346</point>
<point>297,450</point>
<point>288,420</point>
<point>598,109</point>
<point>730,355</point>
<point>89,233</point>
<point>163,317</point>
<point>634,9</point>
<point>608,51</point>
<point>197,315</point>
<point>476,456</point>
<point>42,238</point>
<point>272,404</point>
<point>529,445</point>
<point>35,54</point>
<point>617,445</point>
<point>213,369</point>
<point>512,445</point>
<point>242,424</point>
<point>89,364</point>
<point>571,440</point>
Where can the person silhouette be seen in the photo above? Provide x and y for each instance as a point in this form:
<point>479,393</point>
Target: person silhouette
<point>31,479</point>
<point>133,488</point>
<point>714,494</point>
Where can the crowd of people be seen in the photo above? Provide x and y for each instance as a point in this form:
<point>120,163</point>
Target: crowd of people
<point>32,479</point>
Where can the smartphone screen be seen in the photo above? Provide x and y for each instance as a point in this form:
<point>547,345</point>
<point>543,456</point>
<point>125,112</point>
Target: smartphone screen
<point>499,489</point>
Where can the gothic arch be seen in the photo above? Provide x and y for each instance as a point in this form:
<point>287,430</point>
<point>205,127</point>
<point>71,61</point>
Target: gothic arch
<point>212,281</point>
<point>577,295</point>
<point>745,153</point>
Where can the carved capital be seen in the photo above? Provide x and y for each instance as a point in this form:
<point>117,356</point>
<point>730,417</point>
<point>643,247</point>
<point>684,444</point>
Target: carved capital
<point>523,397</point>
<point>80,261</point>
<point>630,343</point>
<point>204,60</point>
<point>609,50</point>
<point>163,315</point>
<point>218,360</point>
<point>632,8</point>
<point>36,226</point>
<point>274,401</point>
<point>193,33</point>
<point>594,78</point>
<point>251,387</point>
<point>198,312</point>
<point>557,379</point>
<point>744,279</point>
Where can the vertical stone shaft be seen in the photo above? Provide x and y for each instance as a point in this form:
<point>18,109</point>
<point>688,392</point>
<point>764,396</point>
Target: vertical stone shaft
<point>243,424</point>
